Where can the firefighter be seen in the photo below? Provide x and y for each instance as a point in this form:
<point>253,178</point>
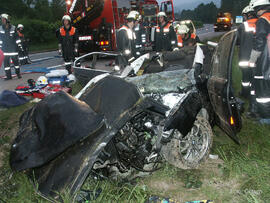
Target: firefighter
<point>126,41</point>
<point>68,42</point>
<point>165,36</point>
<point>185,37</point>
<point>23,56</point>
<point>246,33</point>
<point>140,33</point>
<point>259,58</point>
<point>10,44</point>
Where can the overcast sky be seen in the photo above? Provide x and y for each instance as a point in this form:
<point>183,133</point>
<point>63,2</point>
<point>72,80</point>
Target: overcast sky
<point>191,4</point>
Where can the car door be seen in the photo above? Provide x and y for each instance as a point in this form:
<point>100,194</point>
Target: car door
<point>220,87</point>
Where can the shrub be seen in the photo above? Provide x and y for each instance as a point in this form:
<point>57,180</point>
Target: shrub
<point>38,31</point>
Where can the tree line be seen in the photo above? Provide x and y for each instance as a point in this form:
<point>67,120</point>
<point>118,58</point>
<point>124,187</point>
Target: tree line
<point>44,10</point>
<point>40,18</point>
<point>207,13</point>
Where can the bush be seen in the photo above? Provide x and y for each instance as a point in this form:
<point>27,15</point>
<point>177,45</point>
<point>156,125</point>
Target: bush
<point>38,31</point>
<point>198,24</point>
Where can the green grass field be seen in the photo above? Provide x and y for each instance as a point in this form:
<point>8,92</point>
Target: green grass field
<point>242,174</point>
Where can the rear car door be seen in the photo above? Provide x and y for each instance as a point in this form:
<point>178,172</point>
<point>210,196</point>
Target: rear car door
<point>220,87</point>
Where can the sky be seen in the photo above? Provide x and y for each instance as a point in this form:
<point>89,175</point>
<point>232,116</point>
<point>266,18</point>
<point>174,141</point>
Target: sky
<point>191,4</point>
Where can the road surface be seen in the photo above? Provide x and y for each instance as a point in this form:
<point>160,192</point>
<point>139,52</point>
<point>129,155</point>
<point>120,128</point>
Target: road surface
<point>207,32</point>
<point>51,60</point>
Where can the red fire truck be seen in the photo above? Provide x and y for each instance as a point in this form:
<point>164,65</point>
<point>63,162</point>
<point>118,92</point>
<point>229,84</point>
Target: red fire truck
<point>98,20</point>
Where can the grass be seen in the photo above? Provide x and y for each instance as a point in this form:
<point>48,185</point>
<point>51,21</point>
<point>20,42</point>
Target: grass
<point>241,175</point>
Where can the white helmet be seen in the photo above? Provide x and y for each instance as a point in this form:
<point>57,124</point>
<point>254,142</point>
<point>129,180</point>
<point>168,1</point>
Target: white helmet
<point>5,16</point>
<point>71,78</point>
<point>133,15</point>
<point>66,17</point>
<point>20,26</point>
<point>257,3</point>
<point>182,29</point>
<point>42,80</point>
<point>161,14</point>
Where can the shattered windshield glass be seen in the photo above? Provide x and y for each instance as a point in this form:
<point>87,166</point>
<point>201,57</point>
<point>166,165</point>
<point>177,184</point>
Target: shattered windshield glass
<point>164,82</point>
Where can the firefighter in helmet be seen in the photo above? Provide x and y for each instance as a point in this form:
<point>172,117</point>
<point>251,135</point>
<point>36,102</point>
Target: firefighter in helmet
<point>185,36</point>
<point>10,43</point>
<point>165,36</point>
<point>126,40</point>
<point>23,55</point>
<point>68,42</point>
<point>246,32</point>
<point>259,58</point>
<point>140,33</point>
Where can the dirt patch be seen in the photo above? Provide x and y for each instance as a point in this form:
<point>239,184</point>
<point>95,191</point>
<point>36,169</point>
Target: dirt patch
<point>12,84</point>
<point>164,185</point>
<point>212,167</point>
<point>206,182</point>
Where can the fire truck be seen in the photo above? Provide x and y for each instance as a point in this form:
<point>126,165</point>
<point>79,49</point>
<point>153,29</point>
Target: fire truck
<point>97,21</point>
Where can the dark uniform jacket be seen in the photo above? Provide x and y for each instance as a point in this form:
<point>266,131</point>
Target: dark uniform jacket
<point>246,32</point>
<point>140,33</point>
<point>262,44</point>
<point>262,69</point>
<point>191,39</point>
<point>165,38</point>
<point>126,42</point>
<point>9,39</point>
<point>69,41</point>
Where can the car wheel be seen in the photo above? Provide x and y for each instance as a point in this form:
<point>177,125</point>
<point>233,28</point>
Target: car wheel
<point>190,151</point>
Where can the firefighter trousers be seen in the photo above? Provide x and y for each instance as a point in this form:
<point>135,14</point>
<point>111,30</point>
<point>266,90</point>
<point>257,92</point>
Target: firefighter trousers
<point>68,65</point>
<point>246,81</point>
<point>262,91</point>
<point>9,62</point>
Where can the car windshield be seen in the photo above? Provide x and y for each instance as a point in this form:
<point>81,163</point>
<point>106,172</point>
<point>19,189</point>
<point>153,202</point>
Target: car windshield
<point>163,82</point>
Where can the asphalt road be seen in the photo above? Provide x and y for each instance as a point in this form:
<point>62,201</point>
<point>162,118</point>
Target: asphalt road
<point>50,60</point>
<point>207,32</point>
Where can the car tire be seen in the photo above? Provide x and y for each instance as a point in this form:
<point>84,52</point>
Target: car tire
<point>173,153</point>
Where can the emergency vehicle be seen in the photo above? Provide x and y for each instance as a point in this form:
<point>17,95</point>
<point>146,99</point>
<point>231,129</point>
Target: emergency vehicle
<point>224,22</point>
<point>97,21</point>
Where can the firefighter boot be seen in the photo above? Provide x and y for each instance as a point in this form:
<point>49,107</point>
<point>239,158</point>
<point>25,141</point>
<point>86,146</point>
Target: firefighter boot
<point>252,112</point>
<point>8,73</point>
<point>68,68</point>
<point>17,71</point>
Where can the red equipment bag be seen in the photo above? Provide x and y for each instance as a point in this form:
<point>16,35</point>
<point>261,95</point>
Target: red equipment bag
<point>41,92</point>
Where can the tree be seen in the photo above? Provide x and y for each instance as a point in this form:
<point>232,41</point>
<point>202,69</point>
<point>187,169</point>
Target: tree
<point>58,9</point>
<point>205,13</point>
<point>43,10</point>
<point>15,8</point>
<point>233,6</point>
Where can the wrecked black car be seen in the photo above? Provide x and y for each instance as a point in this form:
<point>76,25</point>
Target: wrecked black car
<point>118,125</point>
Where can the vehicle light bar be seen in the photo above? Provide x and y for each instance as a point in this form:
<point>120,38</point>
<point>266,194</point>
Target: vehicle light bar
<point>85,38</point>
